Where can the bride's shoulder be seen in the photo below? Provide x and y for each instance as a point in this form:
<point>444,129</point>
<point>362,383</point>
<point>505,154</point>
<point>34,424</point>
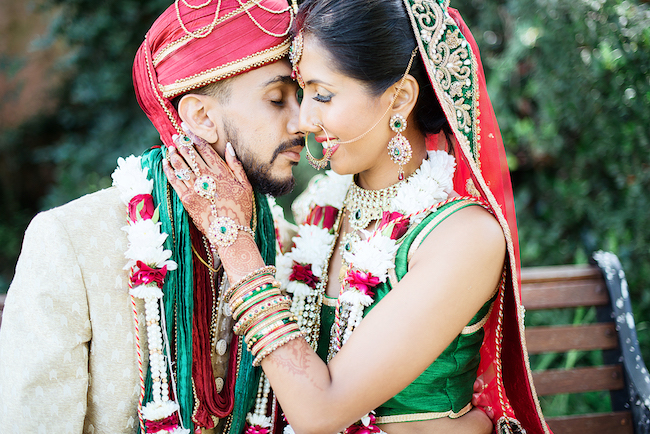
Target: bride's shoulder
<point>470,232</point>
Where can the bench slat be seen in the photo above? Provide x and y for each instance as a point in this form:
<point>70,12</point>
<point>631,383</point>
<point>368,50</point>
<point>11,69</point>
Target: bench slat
<point>560,272</point>
<point>554,339</point>
<point>577,380</point>
<point>605,423</point>
<point>553,295</point>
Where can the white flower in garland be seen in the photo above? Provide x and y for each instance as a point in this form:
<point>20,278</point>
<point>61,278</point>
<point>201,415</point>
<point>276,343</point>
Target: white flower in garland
<point>331,190</point>
<point>310,247</point>
<point>146,245</point>
<point>374,255</point>
<point>131,179</point>
<point>327,189</point>
<point>284,264</point>
<point>441,166</point>
<point>431,183</point>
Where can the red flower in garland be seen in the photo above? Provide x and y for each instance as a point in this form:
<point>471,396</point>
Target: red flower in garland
<point>400,226</point>
<point>169,424</point>
<point>146,275</point>
<point>360,428</point>
<point>147,208</point>
<point>303,273</point>
<point>363,282</point>
<point>255,429</point>
<point>325,216</point>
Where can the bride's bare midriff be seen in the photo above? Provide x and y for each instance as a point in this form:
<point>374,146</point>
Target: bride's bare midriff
<point>474,422</point>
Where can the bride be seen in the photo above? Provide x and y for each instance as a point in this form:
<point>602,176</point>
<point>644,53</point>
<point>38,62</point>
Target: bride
<point>403,276</point>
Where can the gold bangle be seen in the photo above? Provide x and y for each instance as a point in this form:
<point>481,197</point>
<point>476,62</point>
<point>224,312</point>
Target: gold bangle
<point>246,294</point>
<point>261,326</point>
<point>257,298</point>
<point>272,336</point>
<point>250,319</point>
<point>267,269</point>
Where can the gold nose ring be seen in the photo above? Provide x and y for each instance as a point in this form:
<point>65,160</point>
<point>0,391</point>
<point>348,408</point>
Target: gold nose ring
<point>322,163</point>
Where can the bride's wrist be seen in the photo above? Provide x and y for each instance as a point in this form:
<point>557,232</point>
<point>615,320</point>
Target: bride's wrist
<point>239,258</point>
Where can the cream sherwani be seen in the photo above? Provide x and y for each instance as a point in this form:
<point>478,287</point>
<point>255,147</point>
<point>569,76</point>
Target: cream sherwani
<point>68,362</point>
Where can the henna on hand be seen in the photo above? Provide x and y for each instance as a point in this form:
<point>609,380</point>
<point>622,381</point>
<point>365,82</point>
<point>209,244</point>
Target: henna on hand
<point>233,196</point>
<point>294,358</point>
<point>241,258</point>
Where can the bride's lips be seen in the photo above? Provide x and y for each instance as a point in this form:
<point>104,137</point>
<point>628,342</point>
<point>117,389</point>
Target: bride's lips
<point>324,139</point>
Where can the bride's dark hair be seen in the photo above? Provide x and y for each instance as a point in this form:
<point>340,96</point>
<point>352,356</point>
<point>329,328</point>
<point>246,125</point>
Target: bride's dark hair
<point>371,41</point>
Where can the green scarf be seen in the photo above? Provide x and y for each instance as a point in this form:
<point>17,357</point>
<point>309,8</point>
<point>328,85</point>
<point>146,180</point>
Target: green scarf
<point>178,298</point>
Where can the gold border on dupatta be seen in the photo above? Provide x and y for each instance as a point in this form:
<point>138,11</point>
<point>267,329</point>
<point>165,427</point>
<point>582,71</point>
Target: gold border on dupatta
<point>431,21</point>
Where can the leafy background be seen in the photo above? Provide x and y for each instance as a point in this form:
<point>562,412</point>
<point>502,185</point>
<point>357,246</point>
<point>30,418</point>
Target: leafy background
<point>569,79</point>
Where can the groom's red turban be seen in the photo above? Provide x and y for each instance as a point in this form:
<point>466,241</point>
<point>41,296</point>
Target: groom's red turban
<point>193,44</point>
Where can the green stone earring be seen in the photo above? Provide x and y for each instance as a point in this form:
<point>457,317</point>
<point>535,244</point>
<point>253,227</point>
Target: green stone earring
<point>399,148</point>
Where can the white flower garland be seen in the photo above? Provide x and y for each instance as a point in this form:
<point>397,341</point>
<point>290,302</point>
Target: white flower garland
<point>145,249</point>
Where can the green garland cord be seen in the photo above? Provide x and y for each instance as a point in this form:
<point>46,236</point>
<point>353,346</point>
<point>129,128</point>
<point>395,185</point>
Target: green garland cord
<point>178,298</point>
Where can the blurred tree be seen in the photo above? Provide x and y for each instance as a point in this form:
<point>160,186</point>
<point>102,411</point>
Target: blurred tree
<point>58,155</point>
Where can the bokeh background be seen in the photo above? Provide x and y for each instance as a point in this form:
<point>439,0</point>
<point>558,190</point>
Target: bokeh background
<point>569,80</point>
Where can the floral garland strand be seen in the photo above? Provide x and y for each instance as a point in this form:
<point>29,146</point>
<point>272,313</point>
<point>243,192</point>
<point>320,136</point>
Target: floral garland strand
<point>368,260</point>
<point>148,262</point>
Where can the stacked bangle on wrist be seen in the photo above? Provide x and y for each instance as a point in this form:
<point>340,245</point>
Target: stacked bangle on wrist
<point>261,313</point>
<point>249,281</point>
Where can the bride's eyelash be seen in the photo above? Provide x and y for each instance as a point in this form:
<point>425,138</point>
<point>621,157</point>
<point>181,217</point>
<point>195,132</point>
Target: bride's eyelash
<point>322,98</point>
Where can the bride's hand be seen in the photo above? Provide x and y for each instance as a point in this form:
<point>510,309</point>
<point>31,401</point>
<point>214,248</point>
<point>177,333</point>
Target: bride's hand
<point>195,171</point>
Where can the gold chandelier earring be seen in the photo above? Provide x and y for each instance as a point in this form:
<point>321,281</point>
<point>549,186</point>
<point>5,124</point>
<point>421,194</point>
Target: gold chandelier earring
<point>399,147</point>
<point>327,154</point>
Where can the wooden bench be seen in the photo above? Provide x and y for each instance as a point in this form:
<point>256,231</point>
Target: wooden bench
<point>623,372</point>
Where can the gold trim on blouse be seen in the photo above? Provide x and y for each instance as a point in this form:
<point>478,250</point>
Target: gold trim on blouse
<point>416,417</point>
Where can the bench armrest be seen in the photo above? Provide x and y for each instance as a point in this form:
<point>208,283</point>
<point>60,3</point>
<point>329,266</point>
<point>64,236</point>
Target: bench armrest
<point>636,372</point>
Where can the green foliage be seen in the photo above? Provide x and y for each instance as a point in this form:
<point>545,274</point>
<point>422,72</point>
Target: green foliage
<point>54,158</point>
<point>570,82</point>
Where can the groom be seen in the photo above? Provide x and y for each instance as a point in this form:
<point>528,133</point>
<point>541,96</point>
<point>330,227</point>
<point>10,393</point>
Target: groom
<point>73,344</point>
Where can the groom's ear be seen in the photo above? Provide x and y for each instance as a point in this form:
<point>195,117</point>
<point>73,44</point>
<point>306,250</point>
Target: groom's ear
<point>199,112</point>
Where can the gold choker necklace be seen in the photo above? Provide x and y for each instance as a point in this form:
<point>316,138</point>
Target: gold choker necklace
<point>365,206</point>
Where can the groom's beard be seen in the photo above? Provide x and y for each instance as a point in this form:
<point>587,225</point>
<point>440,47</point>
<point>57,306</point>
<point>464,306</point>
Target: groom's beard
<point>259,172</point>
